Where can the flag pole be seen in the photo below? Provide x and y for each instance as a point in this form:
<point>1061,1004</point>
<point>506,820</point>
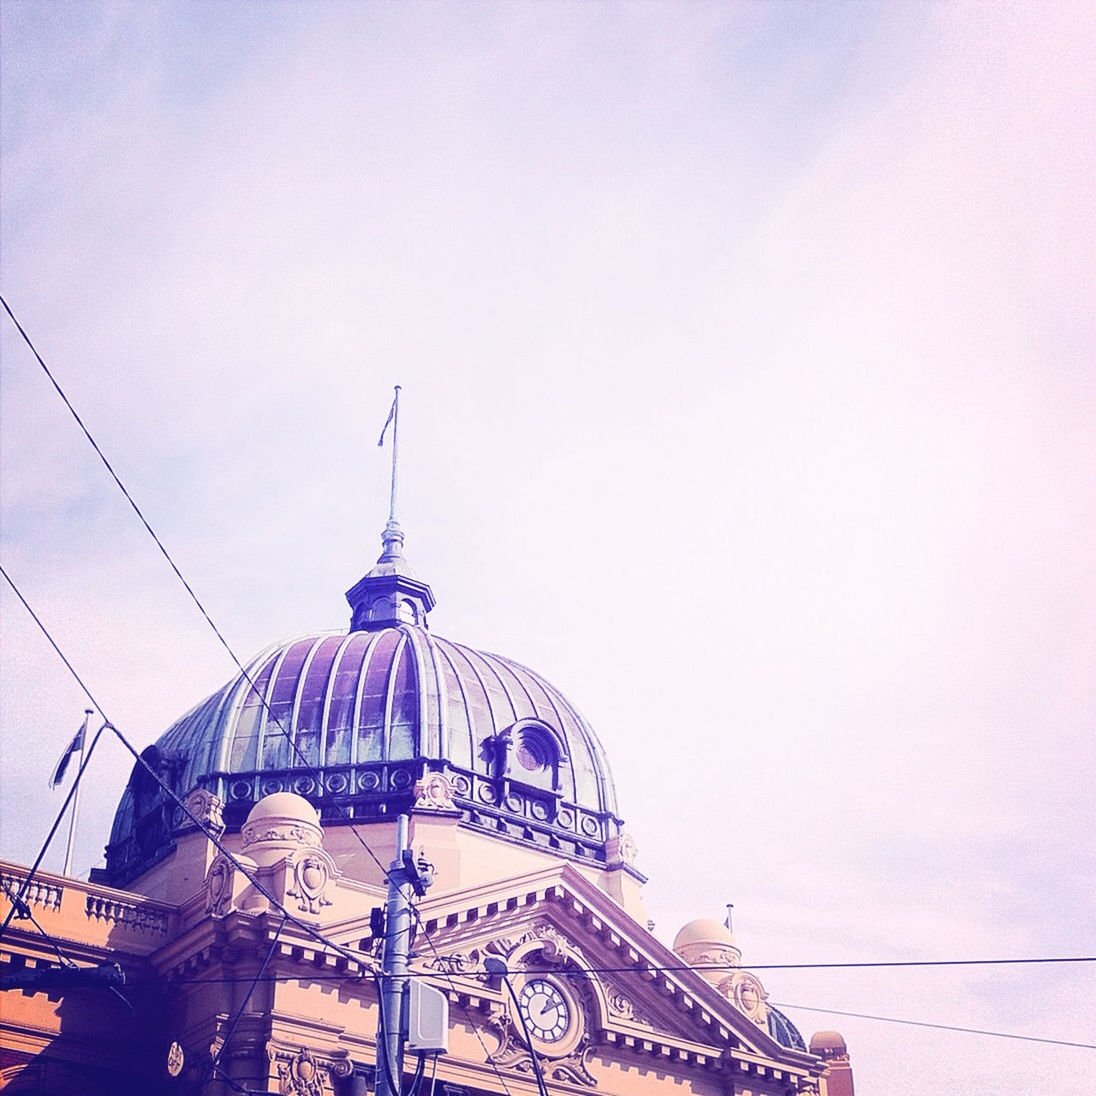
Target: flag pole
<point>76,799</point>
<point>395,452</point>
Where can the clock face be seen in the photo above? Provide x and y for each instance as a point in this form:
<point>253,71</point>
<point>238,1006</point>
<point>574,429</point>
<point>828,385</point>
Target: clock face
<point>545,1009</point>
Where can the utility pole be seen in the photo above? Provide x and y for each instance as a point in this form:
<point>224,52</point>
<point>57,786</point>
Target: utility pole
<point>405,877</point>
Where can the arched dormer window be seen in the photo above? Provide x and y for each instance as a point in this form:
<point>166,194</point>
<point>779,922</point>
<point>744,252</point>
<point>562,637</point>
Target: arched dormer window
<point>536,754</point>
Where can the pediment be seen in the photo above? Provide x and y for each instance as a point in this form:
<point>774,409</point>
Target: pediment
<point>630,995</point>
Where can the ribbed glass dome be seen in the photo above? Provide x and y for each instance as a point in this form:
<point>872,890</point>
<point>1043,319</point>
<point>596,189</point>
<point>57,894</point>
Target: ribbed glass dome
<point>352,721</point>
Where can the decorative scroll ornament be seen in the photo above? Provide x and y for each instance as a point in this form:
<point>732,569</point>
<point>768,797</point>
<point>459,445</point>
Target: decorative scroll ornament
<point>457,963</point>
<point>311,872</point>
<point>513,1053</point>
<point>206,808</point>
<point>624,1009</point>
<point>287,833</point>
<point>435,792</point>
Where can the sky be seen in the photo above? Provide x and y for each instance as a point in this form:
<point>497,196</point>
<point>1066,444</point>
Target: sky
<point>746,354</point>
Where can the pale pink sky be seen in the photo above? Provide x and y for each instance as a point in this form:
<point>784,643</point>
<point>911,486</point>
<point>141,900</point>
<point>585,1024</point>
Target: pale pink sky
<point>747,354</point>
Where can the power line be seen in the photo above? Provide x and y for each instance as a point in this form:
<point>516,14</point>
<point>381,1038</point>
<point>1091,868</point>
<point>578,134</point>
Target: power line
<point>305,763</point>
<point>309,929</point>
<point>579,973</point>
<point>941,1027</point>
<point>313,770</point>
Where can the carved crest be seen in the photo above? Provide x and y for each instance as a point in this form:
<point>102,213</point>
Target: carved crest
<point>435,792</point>
<point>301,1073</point>
<point>220,881</point>
<point>311,872</point>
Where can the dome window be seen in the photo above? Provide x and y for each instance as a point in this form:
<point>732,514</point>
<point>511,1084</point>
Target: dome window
<point>536,754</point>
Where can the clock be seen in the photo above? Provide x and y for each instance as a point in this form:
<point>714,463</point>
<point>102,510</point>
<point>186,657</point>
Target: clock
<point>545,1010</point>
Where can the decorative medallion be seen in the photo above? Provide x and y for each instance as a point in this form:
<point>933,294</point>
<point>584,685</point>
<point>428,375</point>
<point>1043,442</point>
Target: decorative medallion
<point>337,783</point>
<point>219,885</point>
<point>400,779</point>
<point>434,792</point>
<point>175,1060</point>
<point>241,789</point>
<point>312,871</point>
<point>748,995</point>
<point>623,1008</point>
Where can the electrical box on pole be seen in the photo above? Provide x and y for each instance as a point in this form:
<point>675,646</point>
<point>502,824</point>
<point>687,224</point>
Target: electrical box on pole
<point>427,1019</point>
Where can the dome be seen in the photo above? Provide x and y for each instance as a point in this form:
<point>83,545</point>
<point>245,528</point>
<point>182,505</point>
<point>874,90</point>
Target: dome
<point>785,1032</point>
<point>828,1044</point>
<point>352,721</point>
<point>707,932</point>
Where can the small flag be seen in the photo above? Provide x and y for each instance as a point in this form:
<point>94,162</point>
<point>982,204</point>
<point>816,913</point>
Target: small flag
<point>75,746</point>
<point>391,415</point>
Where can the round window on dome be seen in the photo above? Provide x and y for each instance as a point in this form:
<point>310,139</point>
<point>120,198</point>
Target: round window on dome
<point>532,756</point>
<point>535,758</point>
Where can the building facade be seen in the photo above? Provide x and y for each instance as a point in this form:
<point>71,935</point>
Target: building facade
<point>235,941</point>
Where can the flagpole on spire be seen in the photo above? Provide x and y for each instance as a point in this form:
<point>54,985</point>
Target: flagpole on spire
<point>393,420</point>
<point>79,742</point>
<point>395,452</point>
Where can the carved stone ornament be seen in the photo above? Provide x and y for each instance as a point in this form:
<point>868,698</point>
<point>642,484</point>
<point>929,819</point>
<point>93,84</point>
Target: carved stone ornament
<point>301,1073</point>
<point>220,883</point>
<point>435,792</point>
<point>748,996</point>
<point>621,850</point>
<point>285,833</point>
<point>206,808</point>
<point>311,872</point>
<point>513,1053</point>
<point>623,1008</point>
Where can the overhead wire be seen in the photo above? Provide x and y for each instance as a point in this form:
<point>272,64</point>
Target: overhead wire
<point>579,973</point>
<point>306,764</point>
<point>569,971</point>
<point>939,1027</point>
<point>315,770</point>
<point>310,930</point>
<point>216,1062</point>
<point>173,795</point>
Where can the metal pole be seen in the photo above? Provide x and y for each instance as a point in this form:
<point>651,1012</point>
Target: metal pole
<point>395,452</point>
<point>397,938</point>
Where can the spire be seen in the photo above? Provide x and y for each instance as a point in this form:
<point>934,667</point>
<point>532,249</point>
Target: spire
<point>391,593</point>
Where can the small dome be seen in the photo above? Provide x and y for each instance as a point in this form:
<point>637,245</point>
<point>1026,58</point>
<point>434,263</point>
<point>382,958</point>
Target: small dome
<point>710,947</point>
<point>705,931</point>
<point>284,806</point>
<point>828,1044</point>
